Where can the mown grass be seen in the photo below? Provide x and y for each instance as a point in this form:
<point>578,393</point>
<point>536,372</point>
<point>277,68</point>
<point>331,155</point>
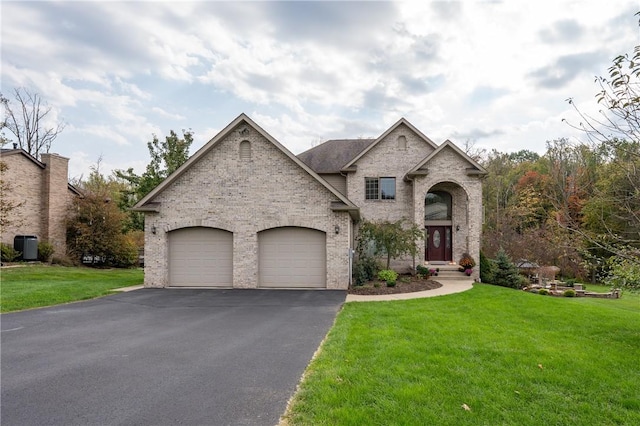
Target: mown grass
<point>37,286</point>
<point>513,358</point>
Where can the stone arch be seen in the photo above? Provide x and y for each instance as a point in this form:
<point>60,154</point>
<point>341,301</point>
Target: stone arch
<point>292,221</point>
<point>446,238</point>
<point>206,223</point>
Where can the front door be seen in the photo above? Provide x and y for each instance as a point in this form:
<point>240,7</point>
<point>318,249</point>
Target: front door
<point>438,247</point>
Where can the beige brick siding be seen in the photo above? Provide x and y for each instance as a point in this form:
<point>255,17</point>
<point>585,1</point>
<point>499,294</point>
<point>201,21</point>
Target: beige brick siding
<point>245,197</point>
<point>25,180</point>
<point>387,160</point>
<point>447,170</point>
<point>45,197</point>
<point>56,200</point>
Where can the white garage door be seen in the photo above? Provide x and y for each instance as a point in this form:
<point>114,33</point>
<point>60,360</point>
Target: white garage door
<point>292,258</point>
<point>200,257</point>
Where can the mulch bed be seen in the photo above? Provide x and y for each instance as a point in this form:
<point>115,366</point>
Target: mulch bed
<point>405,284</point>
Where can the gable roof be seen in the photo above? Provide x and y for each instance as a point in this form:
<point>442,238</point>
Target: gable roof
<point>332,155</point>
<point>147,204</point>
<point>384,135</point>
<point>19,151</point>
<point>475,169</point>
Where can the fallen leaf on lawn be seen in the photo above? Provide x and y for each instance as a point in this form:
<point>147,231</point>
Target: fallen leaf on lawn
<point>540,366</point>
<point>466,407</point>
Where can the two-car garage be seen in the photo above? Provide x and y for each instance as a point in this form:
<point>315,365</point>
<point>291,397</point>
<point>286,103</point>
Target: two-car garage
<point>288,257</point>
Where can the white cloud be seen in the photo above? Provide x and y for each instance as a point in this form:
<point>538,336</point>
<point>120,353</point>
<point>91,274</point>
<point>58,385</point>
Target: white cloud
<point>498,71</point>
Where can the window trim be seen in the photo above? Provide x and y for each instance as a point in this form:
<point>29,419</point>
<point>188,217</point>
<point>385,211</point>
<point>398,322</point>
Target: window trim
<point>375,183</point>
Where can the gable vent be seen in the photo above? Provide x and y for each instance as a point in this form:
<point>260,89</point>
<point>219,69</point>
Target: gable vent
<point>402,142</point>
<point>245,150</point>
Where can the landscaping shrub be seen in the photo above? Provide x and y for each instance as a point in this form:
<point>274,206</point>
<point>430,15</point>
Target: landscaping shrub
<point>423,270</point>
<point>45,251</point>
<point>569,293</point>
<point>571,281</point>
<point>506,273</point>
<point>543,291</point>
<point>364,269</point>
<point>388,275</point>
<point>9,254</point>
<point>487,269</point>
<point>126,253</point>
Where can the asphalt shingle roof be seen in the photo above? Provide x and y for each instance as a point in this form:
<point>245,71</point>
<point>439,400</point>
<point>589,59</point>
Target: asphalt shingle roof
<point>332,155</point>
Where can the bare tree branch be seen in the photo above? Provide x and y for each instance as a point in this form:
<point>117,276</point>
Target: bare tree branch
<point>27,122</point>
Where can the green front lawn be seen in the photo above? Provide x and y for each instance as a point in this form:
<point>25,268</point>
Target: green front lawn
<point>36,286</point>
<point>513,358</point>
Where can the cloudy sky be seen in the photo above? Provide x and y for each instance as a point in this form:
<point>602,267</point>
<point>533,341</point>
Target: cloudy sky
<point>495,73</point>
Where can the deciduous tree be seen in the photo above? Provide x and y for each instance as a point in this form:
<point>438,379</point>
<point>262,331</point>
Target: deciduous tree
<point>616,129</point>
<point>95,225</point>
<point>29,120</point>
<point>166,157</point>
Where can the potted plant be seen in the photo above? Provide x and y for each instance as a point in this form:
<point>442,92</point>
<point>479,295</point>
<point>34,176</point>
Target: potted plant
<point>466,263</point>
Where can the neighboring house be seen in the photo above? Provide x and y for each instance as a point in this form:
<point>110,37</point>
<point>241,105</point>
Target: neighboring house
<point>42,192</point>
<point>245,212</point>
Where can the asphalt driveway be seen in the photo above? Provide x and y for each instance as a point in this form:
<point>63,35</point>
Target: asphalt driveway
<point>162,356</point>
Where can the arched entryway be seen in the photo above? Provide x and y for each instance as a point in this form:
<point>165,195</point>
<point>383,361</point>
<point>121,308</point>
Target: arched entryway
<point>438,215</point>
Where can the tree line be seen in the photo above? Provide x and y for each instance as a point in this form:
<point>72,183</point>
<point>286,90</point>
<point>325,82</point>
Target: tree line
<point>577,206</point>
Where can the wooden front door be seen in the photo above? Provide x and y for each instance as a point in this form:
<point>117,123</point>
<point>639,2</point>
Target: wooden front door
<point>438,247</point>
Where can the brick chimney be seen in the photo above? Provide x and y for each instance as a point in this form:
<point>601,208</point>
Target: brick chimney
<point>55,197</point>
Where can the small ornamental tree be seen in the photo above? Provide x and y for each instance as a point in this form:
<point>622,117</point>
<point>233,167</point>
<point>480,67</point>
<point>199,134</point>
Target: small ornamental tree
<point>506,273</point>
<point>392,239</point>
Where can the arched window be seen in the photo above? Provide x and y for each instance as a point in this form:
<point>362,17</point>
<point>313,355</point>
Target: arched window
<point>402,142</point>
<point>437,206</point>
<point>245,150</point>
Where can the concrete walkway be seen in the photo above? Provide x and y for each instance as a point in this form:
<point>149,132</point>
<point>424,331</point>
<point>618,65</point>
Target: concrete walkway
<point>448,287</point>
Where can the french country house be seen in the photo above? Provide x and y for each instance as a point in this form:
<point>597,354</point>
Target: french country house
<point>41,192</point>
<point>244,212</point>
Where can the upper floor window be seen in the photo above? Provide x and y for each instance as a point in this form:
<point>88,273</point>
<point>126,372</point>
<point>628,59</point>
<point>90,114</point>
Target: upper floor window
<point>383,188</point>
<point>437,206</point>
<point>245,150</point>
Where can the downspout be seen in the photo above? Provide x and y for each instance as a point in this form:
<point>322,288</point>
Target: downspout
<point>351,251</point>
<point>468,230</point>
